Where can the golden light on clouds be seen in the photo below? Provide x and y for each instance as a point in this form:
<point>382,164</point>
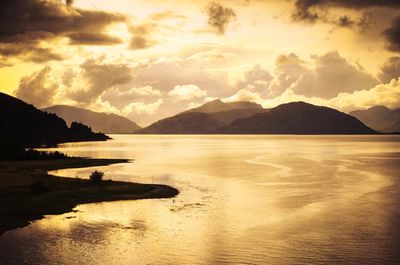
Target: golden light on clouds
<point>97,50</point>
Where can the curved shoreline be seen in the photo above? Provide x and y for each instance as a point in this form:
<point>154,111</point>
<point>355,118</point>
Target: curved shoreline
<point>19,205</point>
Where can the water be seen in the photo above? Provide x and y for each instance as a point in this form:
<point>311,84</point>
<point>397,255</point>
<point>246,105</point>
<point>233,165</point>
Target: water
<point>244,200</point>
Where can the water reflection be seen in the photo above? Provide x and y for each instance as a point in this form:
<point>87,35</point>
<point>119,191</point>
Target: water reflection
<point>244,200</point>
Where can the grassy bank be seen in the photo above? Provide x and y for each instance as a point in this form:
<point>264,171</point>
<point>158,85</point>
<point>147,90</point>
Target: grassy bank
<point>28,193</point>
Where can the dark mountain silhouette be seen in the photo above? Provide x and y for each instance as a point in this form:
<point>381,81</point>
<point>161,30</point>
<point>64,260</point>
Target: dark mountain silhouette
<point>218,106</point>
<point>99,122</point>
<point>291,118</point>
<point>379,118</point>
<point>205,119</point>
<point>229,116</point>
<point>298,118</point>
<point>29,126</point>
<point>184,123</point>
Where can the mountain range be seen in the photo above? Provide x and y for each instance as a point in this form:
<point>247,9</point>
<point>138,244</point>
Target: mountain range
<point>99,122</point>
<point>30,126</point>
<point>379,118</point>
<point>249,118</point>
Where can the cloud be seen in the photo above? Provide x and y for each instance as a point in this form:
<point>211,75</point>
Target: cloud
<point>246,94</point>
<point>142,108</point>
<point>96,76</point>
<point>157,24</point>
<point>86,38</point>
<point>288,69</point>
<point>352,4</point>
<point>324,76</point>
<point>142,36</point>
<point>257,78</point>
<point>392,35</point>
<point>219,16</point>
<point>187,92</point>
<point>30,47</point>
<point>320,10</point>
<point>383,94</point>
<point>142,91</point>
<point>390,69</point>
<point>38,88</point>
<point>165,73</point>
<point>28,25</point>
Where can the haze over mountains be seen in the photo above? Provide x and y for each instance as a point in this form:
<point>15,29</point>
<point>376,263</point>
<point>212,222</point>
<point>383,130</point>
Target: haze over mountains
<point>29,126</point>
<point>99,122</point>
<point>251,118</point>
<point>379,118</point>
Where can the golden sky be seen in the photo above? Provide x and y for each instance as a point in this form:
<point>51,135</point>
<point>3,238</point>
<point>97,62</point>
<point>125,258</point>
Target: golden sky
<point>150,59</point>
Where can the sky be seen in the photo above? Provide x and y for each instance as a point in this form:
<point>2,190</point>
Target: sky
<point>150,59</point>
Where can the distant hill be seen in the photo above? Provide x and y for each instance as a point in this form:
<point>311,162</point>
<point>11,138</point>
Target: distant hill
<point>185,123</point>
<point>29,126</point>
<point>379,118</point>
<point>218,106</point>
<point>291,118</point>
<point>99,122</point>
<point>298,118</point>
<point>207,118</point>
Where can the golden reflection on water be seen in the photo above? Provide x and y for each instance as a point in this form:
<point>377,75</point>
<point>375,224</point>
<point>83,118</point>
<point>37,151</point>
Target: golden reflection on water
<point>244,200</point>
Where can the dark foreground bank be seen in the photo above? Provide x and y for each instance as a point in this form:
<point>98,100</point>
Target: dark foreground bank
<point>27,192</point>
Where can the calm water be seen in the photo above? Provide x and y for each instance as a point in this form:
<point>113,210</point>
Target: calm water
<point>244,200</point>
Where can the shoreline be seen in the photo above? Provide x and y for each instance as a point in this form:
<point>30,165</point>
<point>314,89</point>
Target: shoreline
<point>20,204</point>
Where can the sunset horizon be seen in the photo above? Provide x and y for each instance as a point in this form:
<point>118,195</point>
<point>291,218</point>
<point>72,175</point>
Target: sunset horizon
<point>199,132</point>
<point>147,60</point>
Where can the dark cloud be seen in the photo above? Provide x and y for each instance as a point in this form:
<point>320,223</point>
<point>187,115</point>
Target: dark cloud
<point>219,16</point>
<point>37,88</point>
<point>142,36</point>
<point>304,7</point>
<point>392,36</point>
<point>318,10</point>
<point>390,69</point>
<point>85,38</point>
<point>31,22</point>
<point>28,47</point>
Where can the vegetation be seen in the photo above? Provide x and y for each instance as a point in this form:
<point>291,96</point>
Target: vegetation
<point>96,176</point>
<point>13,150</point>
<point>31,127</point>
<point>28,193</point>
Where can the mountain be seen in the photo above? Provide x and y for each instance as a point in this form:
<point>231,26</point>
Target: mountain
<point>99,122</point>
<point>184,123</point>
<point>207,118</point>
<point>291,118</point>
<point>298,118</point>
<point>219,106</point>
<point>379,118</point>
<point>29,126</point>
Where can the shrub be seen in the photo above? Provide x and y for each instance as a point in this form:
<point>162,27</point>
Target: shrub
<point>96,176</point>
